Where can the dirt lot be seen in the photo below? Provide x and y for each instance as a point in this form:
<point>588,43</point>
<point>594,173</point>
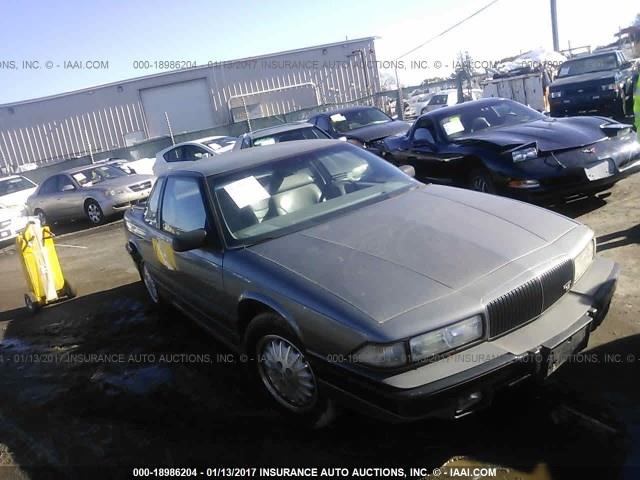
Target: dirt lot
<point>102,380</point>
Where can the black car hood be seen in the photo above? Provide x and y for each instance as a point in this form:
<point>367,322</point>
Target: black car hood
<point>599,77</point>
<point>549,134</point>
<point>381,130</point>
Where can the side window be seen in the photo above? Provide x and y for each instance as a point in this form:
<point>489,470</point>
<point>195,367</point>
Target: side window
<point>183,207</point>
<point>425,131</point>
<point>192,152</point>
<point>64,183</point>
<point>174,155</point>
<point>151,211</point>
<point>323,123</point>
<point>49,186</point>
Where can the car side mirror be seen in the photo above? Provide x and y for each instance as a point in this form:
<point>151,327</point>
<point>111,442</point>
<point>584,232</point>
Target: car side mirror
<point>68,188</point>
<point>183,242</point>
<point>408,170</point>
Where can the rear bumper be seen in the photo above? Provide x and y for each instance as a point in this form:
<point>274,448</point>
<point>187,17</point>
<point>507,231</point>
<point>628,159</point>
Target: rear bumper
<point>481,371</point>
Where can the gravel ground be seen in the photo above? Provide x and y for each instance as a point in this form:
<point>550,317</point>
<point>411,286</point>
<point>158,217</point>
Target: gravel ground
<point>103,380</point>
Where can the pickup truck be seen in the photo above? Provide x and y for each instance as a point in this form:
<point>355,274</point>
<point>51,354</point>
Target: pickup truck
<point>600,83</point>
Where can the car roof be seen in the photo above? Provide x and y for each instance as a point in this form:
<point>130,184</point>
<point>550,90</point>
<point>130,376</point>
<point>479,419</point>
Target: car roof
<point>593,54</point>
<point>73,170</point>
<point>445,111</point>
<point>285,127</point>
<point>344,110</point>
<point>9,177</point>
<point>249,157</point>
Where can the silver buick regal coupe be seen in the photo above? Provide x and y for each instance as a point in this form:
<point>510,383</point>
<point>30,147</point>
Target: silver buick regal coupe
<point>346,282</point>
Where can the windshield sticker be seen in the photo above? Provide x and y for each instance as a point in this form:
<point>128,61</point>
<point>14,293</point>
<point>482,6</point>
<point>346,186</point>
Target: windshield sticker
<point>246,192</point>
<point>338,117</point>
<point>563,71</point>
<point>80,177</point>
<point>453,125</point>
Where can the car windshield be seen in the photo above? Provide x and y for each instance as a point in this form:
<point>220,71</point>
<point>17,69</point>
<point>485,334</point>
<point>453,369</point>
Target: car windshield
<point>352,119</point>
<point>306,133</point>
<point>477,116</point>
<point>588,65</point>
<point>275,198</point>
<point>92,176</point>
<point>13,185</point>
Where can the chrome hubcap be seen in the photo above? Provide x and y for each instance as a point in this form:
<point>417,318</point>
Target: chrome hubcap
<point>94,213</point>
<point>150,284</point>
<point>480,184</point>
<point>286,373</point>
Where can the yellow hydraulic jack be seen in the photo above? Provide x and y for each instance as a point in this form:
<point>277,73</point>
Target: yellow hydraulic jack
<point>41,267</point>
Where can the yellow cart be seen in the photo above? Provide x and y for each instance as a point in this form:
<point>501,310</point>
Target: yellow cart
<point>41,267</point>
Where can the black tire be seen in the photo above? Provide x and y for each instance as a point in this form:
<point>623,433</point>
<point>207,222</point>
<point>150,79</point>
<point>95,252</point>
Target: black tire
<point>94,212</point>
<point>41,216</point>
<point>318,410</point>
<point>480,180</point>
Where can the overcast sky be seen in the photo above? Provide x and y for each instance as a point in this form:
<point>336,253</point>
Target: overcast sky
<point>121,32</point>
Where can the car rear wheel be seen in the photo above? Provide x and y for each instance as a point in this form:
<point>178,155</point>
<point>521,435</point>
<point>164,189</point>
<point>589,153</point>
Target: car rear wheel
<point>94,212</point>
<point>281,370</point>
<point>480,180</point>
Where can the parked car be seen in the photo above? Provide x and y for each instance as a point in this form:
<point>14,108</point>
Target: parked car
<point>343,279</point>
<point>95,192</point>
<point>501,146</point>
<point>416,103</point>
<point>191,151</point>
<point>285,132</point>
<point>448,98</point>
<point>360,125</point>
<point>14,192</point>
<point>600,83</point>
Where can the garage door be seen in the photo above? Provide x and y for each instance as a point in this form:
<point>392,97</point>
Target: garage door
<point>187,104</point>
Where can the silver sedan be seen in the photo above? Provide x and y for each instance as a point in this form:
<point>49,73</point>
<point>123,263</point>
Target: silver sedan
<point>94,192</point>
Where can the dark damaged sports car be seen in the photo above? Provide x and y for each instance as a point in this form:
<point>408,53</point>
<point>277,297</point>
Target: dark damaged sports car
<point>500,146</point>
<point>361,125</point>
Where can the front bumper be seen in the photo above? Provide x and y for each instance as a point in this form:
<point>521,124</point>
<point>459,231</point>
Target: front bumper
<point>122,202</point>
<point>551,192</point>
<point>465,382</point>
<point>587,104</point>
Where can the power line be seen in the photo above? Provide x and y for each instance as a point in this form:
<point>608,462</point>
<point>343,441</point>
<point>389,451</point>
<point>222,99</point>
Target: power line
<point>448,29</point>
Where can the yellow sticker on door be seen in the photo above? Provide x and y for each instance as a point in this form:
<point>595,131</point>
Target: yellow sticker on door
<point>164,253</point>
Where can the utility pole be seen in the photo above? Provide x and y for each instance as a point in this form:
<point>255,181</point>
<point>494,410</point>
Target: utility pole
<point>554,26</point>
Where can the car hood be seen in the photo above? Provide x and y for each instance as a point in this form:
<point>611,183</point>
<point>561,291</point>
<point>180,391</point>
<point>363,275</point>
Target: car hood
<point>123,181</point>
<point>16,199</point>
<point>599,77</point>
<point>381,130</point>
<point>549,133</point>
<point>395,255</point>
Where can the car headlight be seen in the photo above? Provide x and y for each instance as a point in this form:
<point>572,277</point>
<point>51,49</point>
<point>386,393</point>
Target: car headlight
<point>556,94</point>
<point>113,193</point>
<point>377,355</point>
<point>448,338</point>
<point>583,260</point>
<point>609,86</point>
<point>524,154</point>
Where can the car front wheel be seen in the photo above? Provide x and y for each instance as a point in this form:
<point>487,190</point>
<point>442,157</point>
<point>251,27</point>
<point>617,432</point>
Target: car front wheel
<point>282,371</point>
<point>480,180</point>
<point>94,212</point>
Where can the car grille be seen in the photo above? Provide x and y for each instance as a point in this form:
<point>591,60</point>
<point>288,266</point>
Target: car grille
<point>140,186</point>
<point>528,301</point>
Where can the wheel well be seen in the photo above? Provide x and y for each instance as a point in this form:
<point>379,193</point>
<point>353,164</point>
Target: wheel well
<point>247,311</point>
<point>86,202</point>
